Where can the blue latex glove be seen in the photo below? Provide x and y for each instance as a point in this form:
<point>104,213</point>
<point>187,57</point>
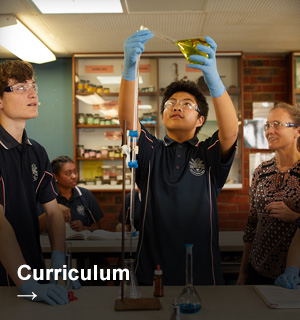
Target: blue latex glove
<point>289,279</point>
<point>133,46</point>
<point>50,293</point>
<point>209,68</point>
<point>58,260</point>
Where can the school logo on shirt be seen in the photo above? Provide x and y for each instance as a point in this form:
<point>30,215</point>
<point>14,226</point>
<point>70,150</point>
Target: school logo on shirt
<point>81,210</point>
<point>197,167</point>
<point>34,171</point>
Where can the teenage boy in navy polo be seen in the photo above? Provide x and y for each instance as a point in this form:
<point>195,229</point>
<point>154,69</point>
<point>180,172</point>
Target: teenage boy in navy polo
<point>25,178</point>
<point>185,175</point>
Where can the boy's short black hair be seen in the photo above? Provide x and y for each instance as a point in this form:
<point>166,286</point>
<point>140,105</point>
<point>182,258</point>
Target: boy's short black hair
<point>19,70</point>
<point>58,162</point>
<point>192,88</point>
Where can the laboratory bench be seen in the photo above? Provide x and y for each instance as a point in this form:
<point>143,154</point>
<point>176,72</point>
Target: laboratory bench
<point>218,302</point>
<point>230,242</point>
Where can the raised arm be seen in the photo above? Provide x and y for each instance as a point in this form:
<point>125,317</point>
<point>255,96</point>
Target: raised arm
<point>224,108</point>
<point>133,46</point>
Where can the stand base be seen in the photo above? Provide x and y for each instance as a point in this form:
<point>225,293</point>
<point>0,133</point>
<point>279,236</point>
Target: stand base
<point>137,304</point>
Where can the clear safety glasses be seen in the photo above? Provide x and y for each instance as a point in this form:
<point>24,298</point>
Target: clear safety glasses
<point>22,88</point>
<point>278,125</point>
<point>185,104</point>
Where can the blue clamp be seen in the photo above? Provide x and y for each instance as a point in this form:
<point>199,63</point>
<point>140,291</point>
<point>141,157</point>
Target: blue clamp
<point>133,133</point>
<point>133,164</point>
<point>134,234</point>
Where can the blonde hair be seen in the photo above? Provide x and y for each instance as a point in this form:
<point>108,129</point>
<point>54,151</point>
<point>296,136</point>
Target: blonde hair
<point>294,113</point>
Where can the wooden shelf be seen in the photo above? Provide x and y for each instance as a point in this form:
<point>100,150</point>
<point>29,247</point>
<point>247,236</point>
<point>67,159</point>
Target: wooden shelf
<point>109,126</point>
<point>97,126</point>
<point>206,94</point>
<point>100,159</point>
<point>113,94</point>
<point>105,187</point>
<point>93,135</point>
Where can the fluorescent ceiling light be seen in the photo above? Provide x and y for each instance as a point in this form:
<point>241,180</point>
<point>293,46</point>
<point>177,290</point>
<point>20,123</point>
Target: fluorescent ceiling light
<point>24,44</point>
<point>113,80</point>
<point>78,6</point>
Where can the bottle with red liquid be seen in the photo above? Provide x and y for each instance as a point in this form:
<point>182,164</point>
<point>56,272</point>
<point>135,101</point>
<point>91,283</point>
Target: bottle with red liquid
<point>158,286</point>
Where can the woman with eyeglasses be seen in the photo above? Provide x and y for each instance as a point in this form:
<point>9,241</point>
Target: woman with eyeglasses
<point>85,210</point>
<point>272,234</point>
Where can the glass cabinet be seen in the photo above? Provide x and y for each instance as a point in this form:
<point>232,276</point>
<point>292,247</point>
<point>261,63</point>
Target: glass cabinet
<point>96,130</point>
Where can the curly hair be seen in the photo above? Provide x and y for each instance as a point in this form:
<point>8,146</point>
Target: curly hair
<point>58,163</point>
<point>192,88</point>
<point>294,113</point>
<point>14,69</point>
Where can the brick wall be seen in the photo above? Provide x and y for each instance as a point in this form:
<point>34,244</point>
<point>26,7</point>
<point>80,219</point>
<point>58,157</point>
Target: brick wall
<point>110,203</point>
<point>265,79</point>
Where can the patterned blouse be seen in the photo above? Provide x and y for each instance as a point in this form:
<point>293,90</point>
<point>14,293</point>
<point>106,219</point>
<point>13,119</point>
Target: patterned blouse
<point>271,237</point>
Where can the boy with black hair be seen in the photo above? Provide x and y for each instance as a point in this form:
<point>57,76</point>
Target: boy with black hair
<point>179,203</point>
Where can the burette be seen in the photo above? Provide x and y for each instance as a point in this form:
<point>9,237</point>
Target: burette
<point>131,150</point>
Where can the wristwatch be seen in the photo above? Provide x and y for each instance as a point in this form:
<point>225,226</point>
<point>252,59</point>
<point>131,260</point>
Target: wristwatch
<point>298,222</point>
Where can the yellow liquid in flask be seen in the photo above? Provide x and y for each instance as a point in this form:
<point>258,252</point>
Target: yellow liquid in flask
<point>189,47</point>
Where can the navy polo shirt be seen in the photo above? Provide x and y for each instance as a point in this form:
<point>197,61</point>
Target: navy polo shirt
<point>185,180</point>
<point>83,206</point>
<point>25,178</point>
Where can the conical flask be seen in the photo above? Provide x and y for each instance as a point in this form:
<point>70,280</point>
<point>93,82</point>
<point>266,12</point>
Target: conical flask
<point>189,47</point>
<point>131,288</point>
<point>189,300</point>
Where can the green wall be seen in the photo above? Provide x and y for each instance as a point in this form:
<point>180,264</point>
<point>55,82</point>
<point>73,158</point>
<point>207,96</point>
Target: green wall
<point>53,127</point>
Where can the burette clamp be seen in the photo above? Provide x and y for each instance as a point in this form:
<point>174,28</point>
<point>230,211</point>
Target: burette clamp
<point>133,133</point>
<point>133,164</point>
<point>126,149</point>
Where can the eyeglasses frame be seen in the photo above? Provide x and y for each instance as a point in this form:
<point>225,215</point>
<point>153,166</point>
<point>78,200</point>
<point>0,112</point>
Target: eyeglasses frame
<point>268,125</point>
<point>28,86</point>
<point>178,102</point>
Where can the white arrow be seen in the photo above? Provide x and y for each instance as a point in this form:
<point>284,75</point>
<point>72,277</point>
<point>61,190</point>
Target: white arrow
<point>33,295</point>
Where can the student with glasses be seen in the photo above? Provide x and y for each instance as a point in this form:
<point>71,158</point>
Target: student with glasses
<point>179,204</point>
<point>25,179</point>
<point>272,239</point>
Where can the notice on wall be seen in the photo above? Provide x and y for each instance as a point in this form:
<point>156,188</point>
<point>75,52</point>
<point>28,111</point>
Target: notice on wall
<point>144,68</point>
<point>99,69</point>
<point>113,135</point>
